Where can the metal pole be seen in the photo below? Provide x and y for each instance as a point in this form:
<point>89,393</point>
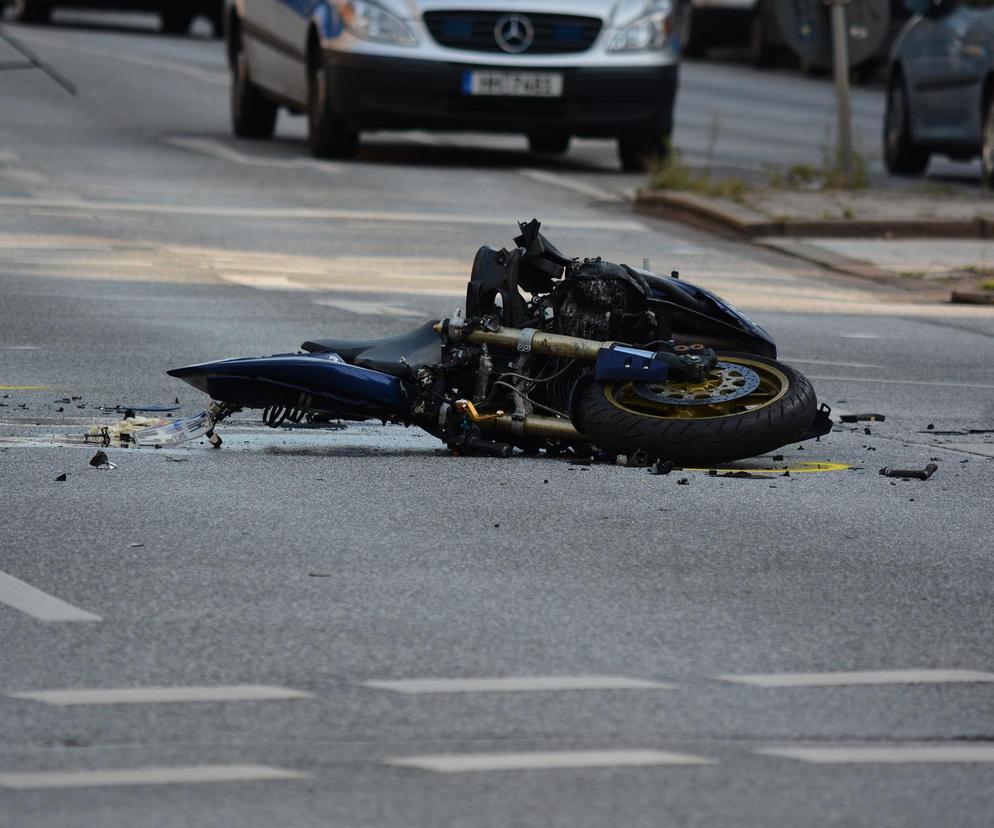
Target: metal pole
<point>840,65</point>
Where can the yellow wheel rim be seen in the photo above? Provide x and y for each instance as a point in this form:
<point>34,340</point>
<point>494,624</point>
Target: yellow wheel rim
<point>773,385</point>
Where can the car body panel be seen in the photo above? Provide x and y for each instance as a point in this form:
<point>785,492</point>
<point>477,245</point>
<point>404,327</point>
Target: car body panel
<point>946,61</point>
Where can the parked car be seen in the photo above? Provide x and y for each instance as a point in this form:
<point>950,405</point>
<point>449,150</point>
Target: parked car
<point>177,15</point>
<point>550,69</point>
<point>940,90</point>
<point>753,23</point>
<point>707,23</point>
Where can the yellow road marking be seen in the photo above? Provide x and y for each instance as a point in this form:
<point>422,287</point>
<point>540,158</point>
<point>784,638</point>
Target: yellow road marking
<point>803,468</point>
<point>23,387</point>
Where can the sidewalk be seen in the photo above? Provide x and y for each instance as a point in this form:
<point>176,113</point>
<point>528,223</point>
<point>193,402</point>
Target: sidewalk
<point>924,238</point>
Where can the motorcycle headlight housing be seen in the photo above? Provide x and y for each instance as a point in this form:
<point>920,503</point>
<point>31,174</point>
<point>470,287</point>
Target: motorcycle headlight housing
<point>647,34</point>
<point>371,21</point>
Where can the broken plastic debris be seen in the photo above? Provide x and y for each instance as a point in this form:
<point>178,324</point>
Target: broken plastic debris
<point>152,409</point>
<point>61,478</point>
<point>683,481</point>
<point>859,418</point>
<point>914,474</point>
<point>661,467</point>
<point>100,461</point>
<point>149,431</point>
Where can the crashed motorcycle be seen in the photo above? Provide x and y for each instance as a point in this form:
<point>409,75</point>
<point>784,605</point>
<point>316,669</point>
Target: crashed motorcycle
<point>553,354</point>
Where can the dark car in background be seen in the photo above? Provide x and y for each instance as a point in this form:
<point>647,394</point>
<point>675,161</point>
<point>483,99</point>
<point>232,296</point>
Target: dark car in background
<point>177,15</point>
<point>940,92</point>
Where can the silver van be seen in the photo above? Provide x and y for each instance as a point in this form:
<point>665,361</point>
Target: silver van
<point>549,69</point>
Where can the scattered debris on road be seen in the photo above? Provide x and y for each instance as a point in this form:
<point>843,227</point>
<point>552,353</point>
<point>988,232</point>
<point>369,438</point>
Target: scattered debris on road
<point>862,418</point>
<point>100,461</point>
<point>137,432</point>
<point>61,478</point>
<point>661,467</point>
<point>910,474</point>
<point>683,481</point>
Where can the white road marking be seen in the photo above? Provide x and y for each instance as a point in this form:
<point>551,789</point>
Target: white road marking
<point>884,381</point>
<point>219,78</point>
<point>859,336</point>
<point>368,308</point>
<point>145,776</point>
<point>524,684</point>
<point>550,760</point>
<point>897,754</point>
<point>981,449</point>
<point>217,149</point>
<point>22,596</point>
<point>843,678</point>
<point>263,282</point>
<point>788,360</point>
<point>160,695</point>
<point>568,183</point>
<point>309,213</point>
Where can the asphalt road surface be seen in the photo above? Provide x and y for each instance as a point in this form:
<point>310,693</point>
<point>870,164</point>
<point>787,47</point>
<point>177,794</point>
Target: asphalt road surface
<point>351,628</point>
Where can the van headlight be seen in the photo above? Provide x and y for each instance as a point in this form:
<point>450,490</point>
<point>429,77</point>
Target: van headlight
<point>373,22</point>
<point>647,34</point>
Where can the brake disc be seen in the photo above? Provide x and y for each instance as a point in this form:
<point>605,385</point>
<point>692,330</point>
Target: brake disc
<point>725,382</point>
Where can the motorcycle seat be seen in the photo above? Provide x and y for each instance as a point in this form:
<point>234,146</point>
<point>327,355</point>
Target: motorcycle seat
<point>419,348</point>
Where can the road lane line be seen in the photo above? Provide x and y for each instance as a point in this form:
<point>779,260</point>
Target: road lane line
<point>309,213</point>
<point>897,754</point>
<point>882,381</point>
<point>191,774</point>
<point>789,360</point>
<point>216,149</point>
<point>22,596</point>
<point>161,695</point>
<point>856,677</point>
<point>524,684</point>
<point>368,308</point>
<point>550,760</point>
<point>219,78</point>
<point>568,183</point>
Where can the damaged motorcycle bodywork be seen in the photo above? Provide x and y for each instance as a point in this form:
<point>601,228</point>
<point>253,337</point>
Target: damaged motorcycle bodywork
<point>551,353</point>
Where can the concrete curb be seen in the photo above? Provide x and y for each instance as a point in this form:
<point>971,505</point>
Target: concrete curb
<point>741,220</point>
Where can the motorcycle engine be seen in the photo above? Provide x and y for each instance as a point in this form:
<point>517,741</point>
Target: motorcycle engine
<point>604,301</point>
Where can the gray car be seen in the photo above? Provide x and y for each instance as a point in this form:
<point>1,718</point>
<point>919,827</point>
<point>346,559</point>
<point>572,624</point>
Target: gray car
<point>550,69</point>
<point>941,80</point>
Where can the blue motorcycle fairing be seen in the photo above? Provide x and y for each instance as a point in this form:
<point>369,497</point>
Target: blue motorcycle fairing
<point>663,287</point>
<point>323,382</point>
<point>744,321</point>
<point>620,362</point>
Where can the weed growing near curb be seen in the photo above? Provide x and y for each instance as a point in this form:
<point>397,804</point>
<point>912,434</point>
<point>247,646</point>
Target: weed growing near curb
<point>673,174</point>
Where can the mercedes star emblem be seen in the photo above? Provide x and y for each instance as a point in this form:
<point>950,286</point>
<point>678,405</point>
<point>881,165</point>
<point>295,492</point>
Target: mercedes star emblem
<point>514,33</point>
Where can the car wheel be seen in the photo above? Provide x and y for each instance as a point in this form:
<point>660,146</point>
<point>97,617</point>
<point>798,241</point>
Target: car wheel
<point>32,11</point>
<point>639,154</point>
<point>692,41</point>
<point>328,135</point>
<point>549,144</point>
<point>253,115</point>
<point>987,147</point>
<point>901,155</point>
<point>176,22</point>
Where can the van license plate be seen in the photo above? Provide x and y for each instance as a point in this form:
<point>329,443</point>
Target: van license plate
<point>514,84</point>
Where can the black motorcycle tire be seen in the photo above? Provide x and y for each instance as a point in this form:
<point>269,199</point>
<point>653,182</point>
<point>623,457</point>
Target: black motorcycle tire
<point>699,441</point>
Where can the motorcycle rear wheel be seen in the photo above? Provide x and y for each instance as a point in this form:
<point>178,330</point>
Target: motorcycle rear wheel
<point>778,411</point>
